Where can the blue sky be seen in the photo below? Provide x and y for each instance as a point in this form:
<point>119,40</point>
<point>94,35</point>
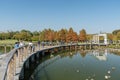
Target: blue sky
<point>92,15</point>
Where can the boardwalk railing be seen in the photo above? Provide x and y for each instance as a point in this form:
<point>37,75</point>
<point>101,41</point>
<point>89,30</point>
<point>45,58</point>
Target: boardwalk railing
<point>13,62</point>
<point>5,46</point>
<point>15,59</point>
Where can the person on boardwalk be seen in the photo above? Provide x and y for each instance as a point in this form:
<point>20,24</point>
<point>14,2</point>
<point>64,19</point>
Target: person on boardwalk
<point>43,44</point>
<point>16,45</point>
<point>39,45</point>
<point>21,43</point>
<point>31,47</point>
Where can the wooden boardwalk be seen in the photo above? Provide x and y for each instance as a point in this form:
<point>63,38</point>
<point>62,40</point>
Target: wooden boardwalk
<point>3,64</point>
<point>12,62</point>
<point>5,57</point>
<point>2,67</point>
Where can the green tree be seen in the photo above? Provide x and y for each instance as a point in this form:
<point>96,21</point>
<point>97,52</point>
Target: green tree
<point>110,36</point>
<point>4,35</point>
<point>23,35</point>
<point>11,34</point>
<point>42,35</point>
<point>114,38</point>
<point>118,36</point>
<point>35,38</point>
<point>115,32</point>
<point>36,33</point>
<point>89,37</point>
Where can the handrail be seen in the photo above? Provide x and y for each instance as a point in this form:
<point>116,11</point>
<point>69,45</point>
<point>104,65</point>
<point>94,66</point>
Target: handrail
<point>8,59</point>
<point>15,58</point>
<point>11,61</point>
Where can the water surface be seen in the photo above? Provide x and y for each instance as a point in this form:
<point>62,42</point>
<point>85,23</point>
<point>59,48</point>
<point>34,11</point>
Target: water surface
<point>80,65</point>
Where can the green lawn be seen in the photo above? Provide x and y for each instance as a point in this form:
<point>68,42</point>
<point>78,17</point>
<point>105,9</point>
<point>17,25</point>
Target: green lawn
<point>7,41</point>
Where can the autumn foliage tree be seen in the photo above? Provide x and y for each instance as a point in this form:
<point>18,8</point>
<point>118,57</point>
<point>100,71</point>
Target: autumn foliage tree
<point>71,36</point>
<point>62,35</point>
<point>82,35</point>
<point>74,37</point>
<point>48,35</point>
<point>45,35</point>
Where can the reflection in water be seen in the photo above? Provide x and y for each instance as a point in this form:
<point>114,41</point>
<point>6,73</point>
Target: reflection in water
<point>83,53</point>
<point>81,65</point>
<point>100,55</point>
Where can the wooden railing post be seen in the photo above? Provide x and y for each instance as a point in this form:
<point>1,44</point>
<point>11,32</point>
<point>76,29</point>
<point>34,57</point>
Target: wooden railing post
<point>25,52</point>
<point>5,48</point>
<point>18,57</point>
<point>15,64</point>
<point>11,47</point>
<point>22,53</point>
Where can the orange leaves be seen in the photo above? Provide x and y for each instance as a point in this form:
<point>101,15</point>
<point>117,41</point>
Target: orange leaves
<point>49,35</point>
<point>75,36</point>
<point>82,35</point>
<point>63,35</point>
<point>71,36</point>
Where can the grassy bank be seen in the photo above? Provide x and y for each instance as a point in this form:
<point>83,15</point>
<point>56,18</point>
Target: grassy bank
<point>7,42</point>
<point>117,46</point>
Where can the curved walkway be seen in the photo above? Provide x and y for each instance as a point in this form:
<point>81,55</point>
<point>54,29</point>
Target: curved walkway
<point>12,62</point>
<point>5,60</point>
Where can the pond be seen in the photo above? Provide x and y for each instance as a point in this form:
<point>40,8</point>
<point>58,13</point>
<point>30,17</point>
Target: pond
<point>80,65</point>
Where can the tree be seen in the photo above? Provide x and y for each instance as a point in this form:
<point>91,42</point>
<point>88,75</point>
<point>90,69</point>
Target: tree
<point>23,35</point>
<point>115,32</point>
<point>69,35</point>
<point>89,37</point>
<point>115,38</point>
<point>4,35</point>
<point>11,34</point>
<point>82,35</point>
<point>62,35</point>
<point>35,33</point>
<point>49,35</point>
<point>118,36</point>
<point>74,37</point>
<point>56,37</point>
<point>110,36</point>
<point>35,38</point>
<point>42,35</point>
